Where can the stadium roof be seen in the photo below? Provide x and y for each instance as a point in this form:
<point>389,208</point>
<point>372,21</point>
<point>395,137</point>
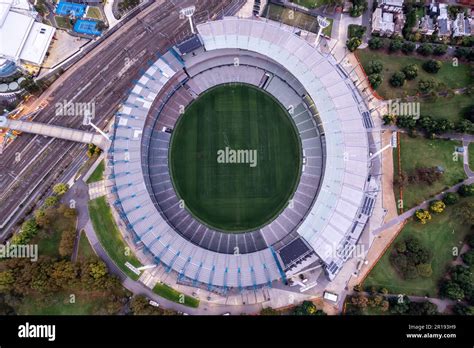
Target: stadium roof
<point>37,43</point>
<point>21,37</point>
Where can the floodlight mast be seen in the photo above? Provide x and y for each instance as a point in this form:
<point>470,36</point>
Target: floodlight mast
<point>188,12</point>
<point>323,23</point>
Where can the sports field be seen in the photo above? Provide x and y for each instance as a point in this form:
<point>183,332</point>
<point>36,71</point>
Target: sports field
<point>218,190</point>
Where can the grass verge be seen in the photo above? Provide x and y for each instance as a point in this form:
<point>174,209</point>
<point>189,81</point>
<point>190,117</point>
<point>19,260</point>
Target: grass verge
<point>171,294</point>
<point>110,236</point>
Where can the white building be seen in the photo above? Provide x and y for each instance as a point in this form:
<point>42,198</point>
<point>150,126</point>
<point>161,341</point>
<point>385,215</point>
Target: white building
<point>388,17</point>
<point>461,26</point>
<point>22,39</point>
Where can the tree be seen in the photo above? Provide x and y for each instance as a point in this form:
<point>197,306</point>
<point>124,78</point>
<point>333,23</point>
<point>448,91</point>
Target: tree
<point>468,257</point>
<point>7,279</point>
<point>423,216</point>
<point>358,7</point>
<point>375,80</point>
<point>461,275</point>
<point>432,66</point>
<point>440,50</point>
<point>376,43</point>
<point>97,269</point>
<point>466,190</point>
<point>401,247</point>
<point>424,270</point>
<point>375,67</point>
<point>408,47</point>
<point>437,206</point>
<point>399,307</point>
<point>451,198</point>
<point>465,126</point>
<point>389,120</point>
<point>60,189</point>
<point>426,85</point>
<point>422,308</point>
<point>51,201</point>
<point>452,290</point>
<point>360,301</point>
<point>470,240</point>
<point>465,213</point>
<point>140,305</point>
<point>410,71</point>
<point>93,150</point>
<point>30,86</point>
<point>41,218</point>
<point>407,122</point>
<point>66,244</point>
<point>353,43</point>
<point>469,113</point>
<point>398,79</point>
<point>355,30</point>
<point>463,309</point>
<point>425,49</point>
<point>396,44</point>
<point>463,52</point>
<point>307,308</point>
<point>28,230</point>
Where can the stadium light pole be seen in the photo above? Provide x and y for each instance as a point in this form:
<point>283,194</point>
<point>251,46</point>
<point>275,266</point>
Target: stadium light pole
<point>323,23</point>
<point>188,12</point>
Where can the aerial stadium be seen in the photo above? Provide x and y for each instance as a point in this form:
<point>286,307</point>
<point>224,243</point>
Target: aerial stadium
<point>241,158</point>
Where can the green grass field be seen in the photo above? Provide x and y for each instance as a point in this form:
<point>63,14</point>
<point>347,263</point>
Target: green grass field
<point>310,3</point>
<point>440,235</point>
<point>235,197</point>
<point>63,22</point>
<point>296,18</point>
<point>93,12</point>
<point>97,174</point>
<point>85,251</point>
<point>452,77</point>
<point>449,108</point>
<point>171,294</point>
<point>421,152</point>
<point>110,237</point>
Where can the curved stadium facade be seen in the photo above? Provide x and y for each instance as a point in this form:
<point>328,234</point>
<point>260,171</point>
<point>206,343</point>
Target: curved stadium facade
<point>333,199</point>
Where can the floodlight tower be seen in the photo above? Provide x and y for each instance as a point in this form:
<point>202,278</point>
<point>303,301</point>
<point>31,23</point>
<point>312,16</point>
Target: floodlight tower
<point>323,23</point>
<point>188,12</point>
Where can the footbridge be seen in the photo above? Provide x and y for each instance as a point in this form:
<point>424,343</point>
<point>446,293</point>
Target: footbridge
<point>59,132</point>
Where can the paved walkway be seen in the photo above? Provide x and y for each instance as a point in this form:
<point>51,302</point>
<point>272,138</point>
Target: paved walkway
<point>108,10</point>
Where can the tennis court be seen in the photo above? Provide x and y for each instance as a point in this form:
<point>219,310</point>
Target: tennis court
<point>69,8</point>
<point>83,26</point>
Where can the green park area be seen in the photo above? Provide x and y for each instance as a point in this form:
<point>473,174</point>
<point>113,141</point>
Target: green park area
<point>110,237</point>
<point>439,235</point>
<point>451,76</point>
<point>85,251</point>
<point>421,153</point>
<point>97,174</point>
<point>451,108</point>
<point>171,294</point>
